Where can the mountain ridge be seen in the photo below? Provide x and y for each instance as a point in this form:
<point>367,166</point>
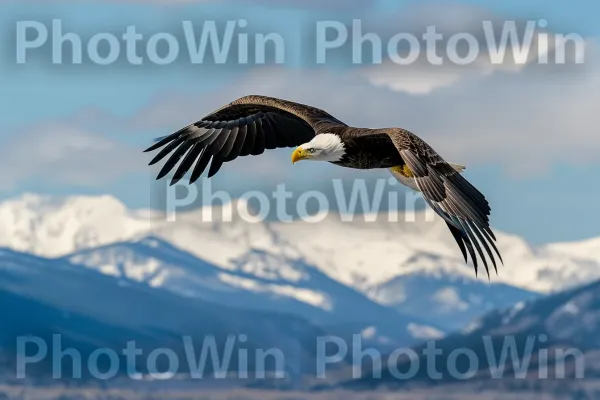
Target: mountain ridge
<point>363,255</point>
<point>258,281</point>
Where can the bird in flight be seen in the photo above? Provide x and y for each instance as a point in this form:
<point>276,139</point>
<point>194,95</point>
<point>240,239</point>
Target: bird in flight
<point>253,124</point>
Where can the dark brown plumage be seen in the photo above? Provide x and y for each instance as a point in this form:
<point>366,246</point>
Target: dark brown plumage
<point>253,124</point>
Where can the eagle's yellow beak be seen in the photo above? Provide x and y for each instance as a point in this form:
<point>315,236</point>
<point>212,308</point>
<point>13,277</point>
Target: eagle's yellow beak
<point>299,154</point>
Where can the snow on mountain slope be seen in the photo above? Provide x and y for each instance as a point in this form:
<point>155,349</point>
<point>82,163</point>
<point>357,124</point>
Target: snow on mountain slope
<point>451,301</point>
<point>49,226</point>
<point>42,297</point>
<point>553,340</point>
<point>257,281</point>
<point>364,255</point>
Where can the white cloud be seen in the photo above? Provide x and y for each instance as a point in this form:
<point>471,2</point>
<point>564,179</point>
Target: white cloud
<point>424,78</point>
<point>419,80</point>
<point>62,154</point>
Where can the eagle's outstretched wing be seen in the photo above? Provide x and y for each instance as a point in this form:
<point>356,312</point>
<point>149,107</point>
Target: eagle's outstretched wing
<point>463,207</point>
<point>247,126</point>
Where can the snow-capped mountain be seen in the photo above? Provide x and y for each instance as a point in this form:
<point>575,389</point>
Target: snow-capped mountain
<point>43,297</point>
<point>257,281</point>
<point>370,254</point>
<point>549,343</point>
<point>449,300</point>
<point>362,254</point>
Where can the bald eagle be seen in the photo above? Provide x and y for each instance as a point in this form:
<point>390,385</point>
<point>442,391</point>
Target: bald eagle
<point>253,124</point>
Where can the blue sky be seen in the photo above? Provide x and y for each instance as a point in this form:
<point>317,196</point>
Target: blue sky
<point>527,134</point>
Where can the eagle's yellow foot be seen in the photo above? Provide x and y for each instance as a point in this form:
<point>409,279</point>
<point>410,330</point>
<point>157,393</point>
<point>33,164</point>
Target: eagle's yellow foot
<point>403,170</point>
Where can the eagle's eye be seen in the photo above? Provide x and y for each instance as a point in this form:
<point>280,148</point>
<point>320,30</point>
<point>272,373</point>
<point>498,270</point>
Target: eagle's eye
<point>311,150</point>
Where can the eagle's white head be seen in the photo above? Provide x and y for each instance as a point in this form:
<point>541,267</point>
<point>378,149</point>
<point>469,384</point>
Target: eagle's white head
<point>324,147</point>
